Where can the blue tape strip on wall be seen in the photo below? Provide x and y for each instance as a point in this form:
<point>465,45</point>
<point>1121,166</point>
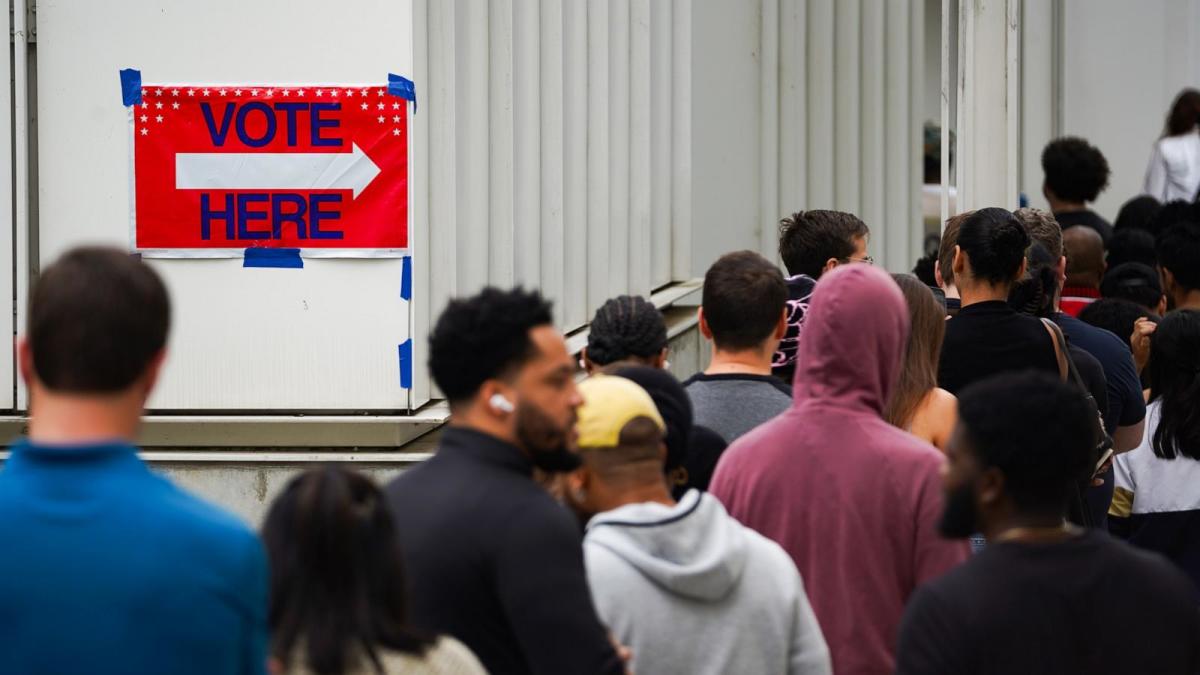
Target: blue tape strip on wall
<point>288,258</point>
<point>406,279</point>
<point>406,364</point>
<point>402,87</point>
<point>131,86</point>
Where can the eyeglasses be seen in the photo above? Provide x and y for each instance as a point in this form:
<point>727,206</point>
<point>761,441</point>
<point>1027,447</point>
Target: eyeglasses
<point>866,259</point>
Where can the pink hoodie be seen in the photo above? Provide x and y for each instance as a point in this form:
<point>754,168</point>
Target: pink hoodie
<point>854,500</point>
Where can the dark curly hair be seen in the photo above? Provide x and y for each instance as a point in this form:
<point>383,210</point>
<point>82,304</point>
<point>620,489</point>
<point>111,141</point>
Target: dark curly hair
<point>995,243</point>
<point>1134,282</point>
<point>1076,170</point>
<point>625,326</point>
<point>1179,253</point>
<point>1131,245</point>
<point>1115,316</point>
<point>1137,213</point>
<point>1172,213</point>
<point>483,337</point>
<point>808,239</point>
<point>1175,381</point>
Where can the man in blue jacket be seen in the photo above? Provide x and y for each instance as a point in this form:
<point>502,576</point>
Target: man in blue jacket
<point>108,567</point>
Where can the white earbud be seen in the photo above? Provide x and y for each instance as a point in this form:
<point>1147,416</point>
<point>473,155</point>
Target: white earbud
<point>500,403</point>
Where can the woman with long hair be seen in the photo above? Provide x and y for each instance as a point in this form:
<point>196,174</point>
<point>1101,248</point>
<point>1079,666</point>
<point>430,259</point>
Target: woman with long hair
<point>917,404</point>
<point>1158,483</point>
<point>1174,171</point>
<point>337,585</point>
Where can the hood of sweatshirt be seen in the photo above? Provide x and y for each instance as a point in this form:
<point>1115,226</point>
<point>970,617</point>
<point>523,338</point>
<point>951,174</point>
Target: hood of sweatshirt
<point>853,342</point>
<point>693,549</point>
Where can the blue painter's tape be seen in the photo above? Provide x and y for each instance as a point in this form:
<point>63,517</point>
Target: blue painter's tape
<point>406,279</point>
<point>402,87</point>
<point>406,364</point>
<point>131,86</point>
<point>273,257</point>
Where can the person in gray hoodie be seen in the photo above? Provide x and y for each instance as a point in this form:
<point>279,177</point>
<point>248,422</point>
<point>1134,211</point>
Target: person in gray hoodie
<point>684,585</point>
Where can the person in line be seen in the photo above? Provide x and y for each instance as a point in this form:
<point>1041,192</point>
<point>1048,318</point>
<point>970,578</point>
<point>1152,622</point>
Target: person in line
<point>1076,172</point>
<point>109,567</point>
<point>494,561</point>
<point>743,313</point>
<point>626,329</point>
<point>692,450</point>
<point>987,336</point>
<point>1136,214</point>
<point>1158,484</point>
<point>1084,250</point>
<point>1044,597</point>
<point>1179,260</point>
<point>1126,408</point>
<point>812,243</point>
<point>338,585</point>
<point>1174,170</point>
<point>1137,283</point>
<point>917,404</point>
<point>689,588</point>
<point>1131,245</point>
<point>944,270</point>
<point>851,498</point>
<point>1122,317</point>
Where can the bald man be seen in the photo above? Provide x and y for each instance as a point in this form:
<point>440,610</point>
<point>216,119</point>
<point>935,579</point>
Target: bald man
<point>1084,249</point>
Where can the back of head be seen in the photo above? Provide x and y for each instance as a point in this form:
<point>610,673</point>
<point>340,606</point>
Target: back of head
<point>620,432</point>
<point>743,300</point>
<point>1178,251</point>
<point>1034,293</point>
<point>1131,245</point>
<point>1042,228</point>
<point>1184,115</point>
<point>854,338</point>
<point>337,580</point>
<point>1133,282</point>
<point>1174,374</point>
<point>808,239</point>
<point>1113,315</point>
<point>1085,256</point>
<point>918,371</point>
<point>98,318</point>
<point>624,327</point>
<point>1036,430</point>
<point>945,256</point>
<point>672,403</point>
<point>483,337</point>
<point>1137,213</point>
<point>1172,213</point>
<point>995,243</point>
<point>1076,170</point>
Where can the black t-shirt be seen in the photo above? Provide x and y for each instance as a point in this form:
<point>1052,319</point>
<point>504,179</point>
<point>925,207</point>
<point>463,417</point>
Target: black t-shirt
<point>988,338</point>
<point>1089,605</point>
<point>1087,218</point>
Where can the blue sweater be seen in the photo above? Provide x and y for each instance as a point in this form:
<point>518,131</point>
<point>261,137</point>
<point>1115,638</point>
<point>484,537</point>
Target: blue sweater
<point>106,567</point>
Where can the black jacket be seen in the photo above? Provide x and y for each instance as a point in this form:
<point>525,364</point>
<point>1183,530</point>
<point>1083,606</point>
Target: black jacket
<point>494,561</point>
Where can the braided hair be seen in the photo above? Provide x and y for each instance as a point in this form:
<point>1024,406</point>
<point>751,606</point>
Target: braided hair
<point>625,326</point>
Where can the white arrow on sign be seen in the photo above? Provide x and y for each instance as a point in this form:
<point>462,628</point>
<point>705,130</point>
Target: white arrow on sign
<point>352,170</point>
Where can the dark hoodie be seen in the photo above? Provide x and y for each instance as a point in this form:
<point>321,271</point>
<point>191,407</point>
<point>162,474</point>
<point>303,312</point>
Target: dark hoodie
<point>854,500</point>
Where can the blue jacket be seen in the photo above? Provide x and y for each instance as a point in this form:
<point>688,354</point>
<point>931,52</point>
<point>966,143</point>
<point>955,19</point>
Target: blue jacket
<point>106,567</point>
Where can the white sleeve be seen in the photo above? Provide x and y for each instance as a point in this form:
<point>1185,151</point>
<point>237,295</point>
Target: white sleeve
<point>1156,176</point>
<point>810,654</point>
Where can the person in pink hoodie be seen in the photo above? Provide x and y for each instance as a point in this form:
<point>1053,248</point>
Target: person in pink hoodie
<point>854,500</point>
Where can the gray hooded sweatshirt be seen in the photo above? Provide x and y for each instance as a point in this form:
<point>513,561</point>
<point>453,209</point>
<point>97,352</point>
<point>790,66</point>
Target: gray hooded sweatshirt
<point>691,591</point>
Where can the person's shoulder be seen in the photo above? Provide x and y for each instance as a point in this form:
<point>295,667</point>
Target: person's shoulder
<point>1157,572</point>
<point>192,515</point>
<point>448,656</point>
<point>941,402</point>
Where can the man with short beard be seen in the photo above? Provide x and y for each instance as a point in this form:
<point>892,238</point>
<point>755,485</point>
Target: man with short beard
<point>492,559</point>
<point>1044,596</point>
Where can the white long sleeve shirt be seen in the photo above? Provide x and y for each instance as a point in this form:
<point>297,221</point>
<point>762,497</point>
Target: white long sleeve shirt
<point>1174,171</point>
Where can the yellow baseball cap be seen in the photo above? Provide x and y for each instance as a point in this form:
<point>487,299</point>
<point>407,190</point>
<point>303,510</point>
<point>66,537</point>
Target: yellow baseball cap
<point>609,403</point>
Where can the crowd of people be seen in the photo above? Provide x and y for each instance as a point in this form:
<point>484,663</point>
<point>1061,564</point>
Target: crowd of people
<point>993,468</point>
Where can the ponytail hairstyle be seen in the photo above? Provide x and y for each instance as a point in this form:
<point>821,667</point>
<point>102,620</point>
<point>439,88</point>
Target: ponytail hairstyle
<point>1174,373</point>
<point>1034,293</point>
<point>918,370</point>
<point>337,582</point>
<point>995,243</point>
<point>626,326</point>
<point>1185,113</point>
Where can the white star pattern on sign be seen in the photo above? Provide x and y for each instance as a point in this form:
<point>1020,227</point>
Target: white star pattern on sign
<point>300,92</point>
<point>364,106</point>
<point>334,93</point>
<point>395,132</point>
<point>158,118</point>
<point>191,92</point>
<point>270,93</point>
<point>396,118</point>
<point>254,92</point>
<point>364,92</point>
<point>158,92</point>
<point>175,105</point>
<point>320,92</point>
<point>379,105</point>
<point>381,119</point>
<point>144,131</point>
<point>349,92</point>
<point>174,92</point>
<point>379,92</point>
<point>143,92</point>
<point>205,92</point>
<point>395,106</point>
<point>223,92</point>
<point>287,92</point>
<point>237,92</point>
<point>145,118</point>
<point>158,105</point>
<point>146,104</point>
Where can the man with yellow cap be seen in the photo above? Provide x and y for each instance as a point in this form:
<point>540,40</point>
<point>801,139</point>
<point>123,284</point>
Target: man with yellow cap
<point>683,584</point>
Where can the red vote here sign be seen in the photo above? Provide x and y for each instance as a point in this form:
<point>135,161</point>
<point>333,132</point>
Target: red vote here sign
<point>235,167</point>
